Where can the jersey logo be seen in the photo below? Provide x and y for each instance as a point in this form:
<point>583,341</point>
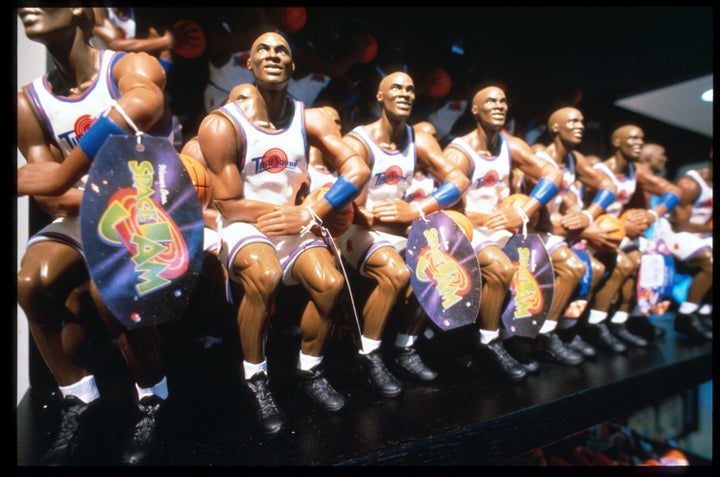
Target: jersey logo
<point>82,124</point>
<point>274,160</point>
<point>391,176</point>
<point>490,179</point>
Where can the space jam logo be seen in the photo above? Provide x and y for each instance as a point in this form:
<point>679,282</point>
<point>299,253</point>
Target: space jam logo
<point>274,160</point>
<point>442,270</point>
<point>391,176</point>
<point>82,124</point>
<point>525,289</point>
<point>133,219</point>
<point>489,180</point>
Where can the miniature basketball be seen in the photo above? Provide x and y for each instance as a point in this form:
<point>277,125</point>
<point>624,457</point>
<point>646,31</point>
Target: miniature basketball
<point>439,83</point>
<point>338,221</point>
<point>199,177</point>
<point>371,50</point>
<point>195,46</point>
<point>518,201</point>
<point>608,222</point>
<point>294,19</point>
<point>462,221</point>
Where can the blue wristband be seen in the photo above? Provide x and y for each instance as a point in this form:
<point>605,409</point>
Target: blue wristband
<point>544,191</point>
<point>604,198</point>
<point>95,136</point>
<point>669,200</point>
<point>342,193</point>
<point>446,195</point>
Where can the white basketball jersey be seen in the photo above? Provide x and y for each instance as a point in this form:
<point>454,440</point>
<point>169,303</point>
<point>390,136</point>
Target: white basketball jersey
<point>391,172</point>
<point>702,207</point>
<point>274,164</point>
<point>490,181</point>
<point>67,118</point>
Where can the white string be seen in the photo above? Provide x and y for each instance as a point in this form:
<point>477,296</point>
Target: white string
<point>119,109</point>
<point>525,220</point>
<point>420,211</point>
<point>314,220</point>
<point>590,217</point>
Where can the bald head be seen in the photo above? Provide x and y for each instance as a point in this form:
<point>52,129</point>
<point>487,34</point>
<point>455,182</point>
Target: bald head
<point>628,141</point>
<point>561,116</point>
<point>654,156</point>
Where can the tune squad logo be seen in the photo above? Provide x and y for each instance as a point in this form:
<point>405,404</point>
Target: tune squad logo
<point>392,176</point>
<point>274,160</point>
<point>490,179</point>
<point>82,124</point>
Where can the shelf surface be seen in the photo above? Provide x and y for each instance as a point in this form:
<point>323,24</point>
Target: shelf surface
<point>468,416</point>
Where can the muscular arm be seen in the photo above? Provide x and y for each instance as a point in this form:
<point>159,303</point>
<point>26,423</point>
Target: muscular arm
<point>114,38</point>
<point>36,149</point>
<point>680,216</point>
<point>217,138</point>
<point>140,80</point>
<point>654,184</point>
<point>594,180</point>
<point>322,134</point>
<point>535,169</point>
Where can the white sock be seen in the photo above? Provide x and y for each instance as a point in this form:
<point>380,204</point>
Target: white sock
<point>548,326</point>
<point>687,308</point>
<point>160,390</point>
<point>596,317</point>
<point>307,362</point>
<point>619,317</point>
<point>706,309</point>
<point>251,369</point>
<point>405,341</point>
<point>86,389</point>
<point>368,345</point>
<point>486,336</point>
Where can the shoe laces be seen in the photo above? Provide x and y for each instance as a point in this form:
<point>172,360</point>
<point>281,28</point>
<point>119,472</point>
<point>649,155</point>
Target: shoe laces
<point>69,424</point>
<point>259,387</point>
<point>148,410</point>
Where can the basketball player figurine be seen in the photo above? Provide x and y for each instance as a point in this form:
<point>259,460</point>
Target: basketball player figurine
<point>83,84</point>
<point>487,156</point>
<point>256,154</point>
<point>632,180</point>
<point>375,246</point>
<point>566,127</point>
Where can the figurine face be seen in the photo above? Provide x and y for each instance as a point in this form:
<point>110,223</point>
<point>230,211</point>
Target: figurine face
<point>570,126</point>
<point>396,95</point>
<point>490,107</point>
<point>48,22</point>
<point>629,141</point>
<point>271,61</point>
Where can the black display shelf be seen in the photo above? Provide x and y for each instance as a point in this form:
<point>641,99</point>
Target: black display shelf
<point>469,416</point>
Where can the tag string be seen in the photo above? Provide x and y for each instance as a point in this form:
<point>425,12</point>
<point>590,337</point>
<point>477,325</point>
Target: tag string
<point>138,133</point>
<point>525,220</point>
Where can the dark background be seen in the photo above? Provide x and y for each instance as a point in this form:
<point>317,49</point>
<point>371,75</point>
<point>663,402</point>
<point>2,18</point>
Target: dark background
<point>546,56</point>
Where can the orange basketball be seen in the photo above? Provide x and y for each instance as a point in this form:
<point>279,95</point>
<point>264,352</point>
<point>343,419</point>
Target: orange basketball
<point>608,222</point>
<point>294,19</point>
<point>439,83</point>
<point>518,201</point>
<point>196,41</point>
<point>371,50</point>
<point>200,179</point>
<point>462,221</point>
<point>338,221</point>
